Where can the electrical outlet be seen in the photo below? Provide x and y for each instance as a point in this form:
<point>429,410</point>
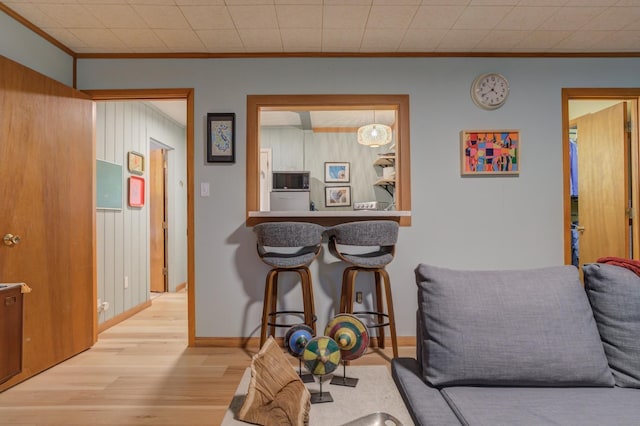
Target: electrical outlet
<point>358,297</point>
<point>126,282</point>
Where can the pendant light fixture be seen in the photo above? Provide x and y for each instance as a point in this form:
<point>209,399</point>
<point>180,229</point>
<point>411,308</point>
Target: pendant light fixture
<point>374,135</point>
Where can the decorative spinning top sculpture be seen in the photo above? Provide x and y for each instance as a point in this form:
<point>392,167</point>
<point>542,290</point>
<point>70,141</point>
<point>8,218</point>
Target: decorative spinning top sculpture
<point>352,338</point>
<point>321,356</point>
<point>296,339</point>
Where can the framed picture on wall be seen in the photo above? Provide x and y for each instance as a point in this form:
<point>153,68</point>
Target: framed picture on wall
<point>136,191</point>
<point>221,137</point>
<point>490,152</point>
<point>135,162</point>
<point>337,196</point>
<point>336,172</point>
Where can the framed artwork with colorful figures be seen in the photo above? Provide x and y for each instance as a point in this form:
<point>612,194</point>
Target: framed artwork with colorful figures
<point>490,152</point>
<point>221,137</point>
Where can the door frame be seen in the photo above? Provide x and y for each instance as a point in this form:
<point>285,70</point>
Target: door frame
<point>186,94</point>
<point>622,94</point>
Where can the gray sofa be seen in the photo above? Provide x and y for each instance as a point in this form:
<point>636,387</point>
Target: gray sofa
<point>524,347</point>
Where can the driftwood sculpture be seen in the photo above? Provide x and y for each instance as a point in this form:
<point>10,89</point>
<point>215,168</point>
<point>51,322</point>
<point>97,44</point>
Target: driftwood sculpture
<point>276,394</point>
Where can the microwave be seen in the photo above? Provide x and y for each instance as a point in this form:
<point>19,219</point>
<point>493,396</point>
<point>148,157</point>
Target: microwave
<point>290,181</point>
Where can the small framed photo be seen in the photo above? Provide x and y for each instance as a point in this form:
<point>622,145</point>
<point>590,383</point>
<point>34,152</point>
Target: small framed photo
<point>136,191</point>
<point>336,172</point>
<point>337,196</point>
<point>221,137</point>
<point>490,152</point>
<point>135,162</point>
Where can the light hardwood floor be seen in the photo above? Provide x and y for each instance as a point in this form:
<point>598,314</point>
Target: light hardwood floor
<point>141,372</point>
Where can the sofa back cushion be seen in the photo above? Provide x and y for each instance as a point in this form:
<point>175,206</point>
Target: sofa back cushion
<point>509,328</point>
<point>614,293</point>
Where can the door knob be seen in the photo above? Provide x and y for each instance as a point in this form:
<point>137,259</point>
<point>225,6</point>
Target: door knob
<point>11,240</point>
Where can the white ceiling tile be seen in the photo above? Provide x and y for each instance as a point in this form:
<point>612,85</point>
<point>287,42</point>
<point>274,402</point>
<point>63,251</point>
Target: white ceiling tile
<point>615,18</point>
<point>485,17</point>
<point>181,40</point>
<point>261,40</point>
<point>526,18</point>
<point>67,38</point>
<point>342,40</point>
<point>151,2</point>
<point>382,40</point>
<point>541,40</point>
<point>500,41</point>
<point>162,17</point>
<point>570,18</point>
<point>248,2</point>
<point>582,40</point>
<point>207,17</point>
<point>221,40</point>
<point>299,16</point>
<point>436,17</point>
<point>619,40</point>
<point>137,39</point>
<point>461,40</point>
<point>200,2</point>
<point>301,40</point>
<point>591,2</point>
<point>35,14</point>
<point>398,17</point>
<point>345,17</point>
<point>421,40</point>
<point>117,15</point>
<point>99,39</point>
<point>254,17</point>
<point>71,15</point>
<point>348,2</point>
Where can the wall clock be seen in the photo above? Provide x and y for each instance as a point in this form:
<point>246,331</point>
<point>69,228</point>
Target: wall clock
<point>490,91</point>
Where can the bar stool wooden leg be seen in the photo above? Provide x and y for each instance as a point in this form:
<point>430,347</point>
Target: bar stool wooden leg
<point>379,308</point>
<point>266,305</point>
<point>307,298</point>
<point>392,319</point>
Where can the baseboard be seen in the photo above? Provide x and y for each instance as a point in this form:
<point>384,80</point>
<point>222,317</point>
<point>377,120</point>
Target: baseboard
<point>245,342</point>
<point>181,286</point>
<point>123,316</point>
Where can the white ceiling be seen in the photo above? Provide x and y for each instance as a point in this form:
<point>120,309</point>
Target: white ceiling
<point>336,26</point>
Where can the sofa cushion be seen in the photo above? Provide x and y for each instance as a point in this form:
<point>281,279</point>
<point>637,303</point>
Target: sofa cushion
<point>514,328</point>
<point>614,293</point>
<point>486,406</point>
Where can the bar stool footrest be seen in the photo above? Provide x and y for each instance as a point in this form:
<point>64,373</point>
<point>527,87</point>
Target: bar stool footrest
<point>275,314</point>
<point>375,324</point>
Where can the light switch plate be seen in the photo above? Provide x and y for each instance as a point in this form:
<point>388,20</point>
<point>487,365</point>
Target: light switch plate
<point>204,189</point>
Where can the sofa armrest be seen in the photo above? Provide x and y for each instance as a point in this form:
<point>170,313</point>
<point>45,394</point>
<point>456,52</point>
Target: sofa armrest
<point>424,402</point>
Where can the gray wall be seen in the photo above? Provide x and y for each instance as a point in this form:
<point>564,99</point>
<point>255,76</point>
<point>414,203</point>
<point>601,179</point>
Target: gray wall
<point>22,45</point>
<point>504,222</point>
<point>123,235</point>
<point>487,223</point>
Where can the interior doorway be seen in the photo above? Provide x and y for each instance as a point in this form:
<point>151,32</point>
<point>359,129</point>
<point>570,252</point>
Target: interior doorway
<point>159,261</point>
<point>186,95</point>
<point>601,179</point>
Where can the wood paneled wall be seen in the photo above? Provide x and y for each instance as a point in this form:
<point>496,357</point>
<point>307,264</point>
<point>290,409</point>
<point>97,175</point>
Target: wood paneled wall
<point>123,235</point>
<point>47,199</point>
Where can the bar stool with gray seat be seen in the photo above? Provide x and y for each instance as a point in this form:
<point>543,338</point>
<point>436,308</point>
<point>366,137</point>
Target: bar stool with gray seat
<point>287,247</point>
<point>375,241</point>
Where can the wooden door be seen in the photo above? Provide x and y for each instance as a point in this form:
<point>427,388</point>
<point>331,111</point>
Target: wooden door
<point>47,174</point>
<point>603,179</point>
<point>157,221</point>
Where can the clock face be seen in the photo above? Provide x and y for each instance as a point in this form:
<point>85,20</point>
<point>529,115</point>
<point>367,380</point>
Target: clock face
<point>490,91</point>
